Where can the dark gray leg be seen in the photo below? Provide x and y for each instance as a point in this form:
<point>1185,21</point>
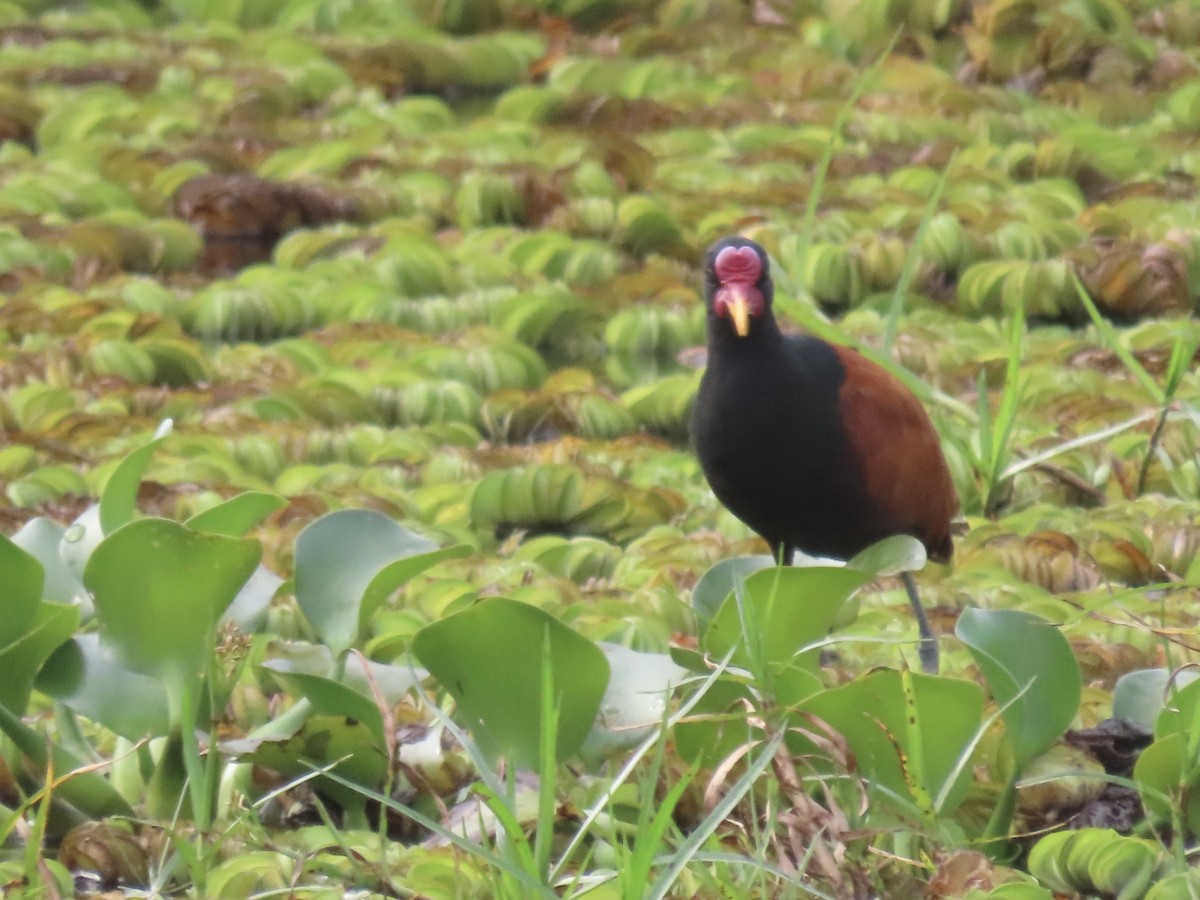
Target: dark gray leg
<point>929,647</point>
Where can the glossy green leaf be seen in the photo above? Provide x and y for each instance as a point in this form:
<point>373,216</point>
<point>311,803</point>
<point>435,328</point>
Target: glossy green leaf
<point>1139,696</point>
<point>718,726</point>
<point>160,590</point>
<point>119,497</point>
<point>918,751</point>
<point>489,658</point>
<point>780,610</point>
<point>1181,713</point>
<point>42,539</point>
<point>1031,673</point>
<point>320,741</point>
<point>348,562</point>
<point>1016,891</point>
<point>634,700</point>
<point>248,611</point>
<point>237,515</point>
<point>22,659</point>
<point>1168,778</point>
<point>718,582</point>
<point>83,676</point>
<point>80,540</point>
<point>1180,886</point>
<point>329,697</point>
<point>21,591</point>
<point>89,792</point>
<point>891,556</point>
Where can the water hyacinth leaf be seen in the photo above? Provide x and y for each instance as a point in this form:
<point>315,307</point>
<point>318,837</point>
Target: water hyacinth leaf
<point>1167,781</point>
<point>718,725</point>
<point>1181,713</point>
<point>253,872</point>
<point>347,562</point>
<point>1139,697</point>
<point>22,658</point>
<point>791,607</point>
<point>719,580</point>
<point>393,682</point>
<point>160,590</point>
<point>248,611</point>
<point>80,540</point>
<point>329,697</point>
<point>83,676</point>
<point>320,741</point>
<point>89,792</point>
<point>1031,672</point>
<point>646,226</point>
<point>119,497</point>
<point>891,556</point>
<point>22,591</point>
<point>42,539</point>
<point>489,657</point>
<point>1180,886</point>
<point>237,515</point>
<point>933,731</point>
<point>634,700</point>
<point>177,362</point>
<point>1019,891</point>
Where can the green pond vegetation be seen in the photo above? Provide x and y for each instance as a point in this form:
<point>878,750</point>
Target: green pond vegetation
<point>350,539</point>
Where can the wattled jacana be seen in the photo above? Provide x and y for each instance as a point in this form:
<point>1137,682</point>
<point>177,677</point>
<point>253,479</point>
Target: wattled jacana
<point>809,443</point>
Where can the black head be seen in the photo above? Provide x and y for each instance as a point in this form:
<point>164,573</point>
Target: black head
<point>737,283</point>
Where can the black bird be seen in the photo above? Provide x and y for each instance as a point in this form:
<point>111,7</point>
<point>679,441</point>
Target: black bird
<point>812,445</point>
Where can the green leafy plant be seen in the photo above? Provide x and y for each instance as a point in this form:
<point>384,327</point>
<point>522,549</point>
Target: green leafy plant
<point>1034,680</point>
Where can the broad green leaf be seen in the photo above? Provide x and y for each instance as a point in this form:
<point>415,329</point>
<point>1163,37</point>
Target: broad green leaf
<point>22,659</point>
<point>718,582</point>
<point>891,556</point>
<point>329,697</point>
<point>80,540</point>
<point>237,515</point>
<point>82,676</point>
<point>1139,696</point>
<point>167,793</point>
<point>1016,891</point>
<point>1031,672</point>
<point>933,734</point>
<point>89,792</point>
<point>393,682</point>
<point>718,725</point>
<point>489,657</point>
<point>20,590</point>
<point>248,611</point>
<point>160,590</point>
<point>780,610</point>
<point>1181,713</point>
<point>320,741</point>
<point>348,562</point>
<point>252,873</point>
<point>119,497</point>
<point>1168,780</point>
<point>42,539</point>
<point>634,700</point>
<point>1180,886</point>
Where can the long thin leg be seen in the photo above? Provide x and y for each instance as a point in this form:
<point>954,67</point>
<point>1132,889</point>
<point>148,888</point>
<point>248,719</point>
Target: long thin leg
<point>928,650</point>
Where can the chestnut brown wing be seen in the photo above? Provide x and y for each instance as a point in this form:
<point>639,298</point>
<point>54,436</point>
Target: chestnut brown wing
<point>894,445</point>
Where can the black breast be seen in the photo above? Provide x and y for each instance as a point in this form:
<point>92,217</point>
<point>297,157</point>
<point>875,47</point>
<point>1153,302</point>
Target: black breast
<point>769,438</point>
